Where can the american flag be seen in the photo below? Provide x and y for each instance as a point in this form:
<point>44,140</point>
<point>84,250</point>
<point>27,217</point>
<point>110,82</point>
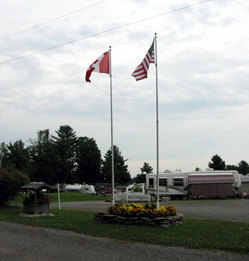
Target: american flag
<point>142,70</point>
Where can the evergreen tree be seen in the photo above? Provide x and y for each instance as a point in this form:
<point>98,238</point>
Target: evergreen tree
<point>121,174</point>
<point>65,144</point>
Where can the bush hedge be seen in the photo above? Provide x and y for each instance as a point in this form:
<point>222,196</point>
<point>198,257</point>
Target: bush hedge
<point>11,181</point>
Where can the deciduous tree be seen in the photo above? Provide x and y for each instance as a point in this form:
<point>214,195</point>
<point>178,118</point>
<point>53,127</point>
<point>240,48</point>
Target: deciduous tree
<point>10,182</point>
<point>17,156</point>
<point>146,168</point>
<point>3,152</point>
<point>243,167</point>
<point>88,160</point>
<point>43,158</point>
<point>231,167</point>
<point>217,163</point>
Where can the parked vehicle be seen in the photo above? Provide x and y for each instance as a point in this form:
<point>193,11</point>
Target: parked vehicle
<point>104,189</point>
<point>194,184</point>
<point>106,192</point>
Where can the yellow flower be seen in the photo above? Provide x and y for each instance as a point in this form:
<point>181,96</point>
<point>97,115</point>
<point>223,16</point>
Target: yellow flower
<point>129,208</point>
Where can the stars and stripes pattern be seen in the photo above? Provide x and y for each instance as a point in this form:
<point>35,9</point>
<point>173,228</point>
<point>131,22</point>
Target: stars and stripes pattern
<point>141,71</point>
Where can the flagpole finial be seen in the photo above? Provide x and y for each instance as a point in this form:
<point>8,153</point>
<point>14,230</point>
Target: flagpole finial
<point>110,47</point>
<point>155,34</point>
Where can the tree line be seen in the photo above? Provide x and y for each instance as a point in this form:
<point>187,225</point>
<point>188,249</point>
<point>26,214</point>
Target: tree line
<point>64,158</point>
<point>217,163</point>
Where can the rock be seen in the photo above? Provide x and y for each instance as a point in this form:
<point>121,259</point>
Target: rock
<point>156,222</point>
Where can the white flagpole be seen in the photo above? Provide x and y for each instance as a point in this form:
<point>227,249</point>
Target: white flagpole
<point>157,126</point>
<point>59,197</point>
<point>110,70</point>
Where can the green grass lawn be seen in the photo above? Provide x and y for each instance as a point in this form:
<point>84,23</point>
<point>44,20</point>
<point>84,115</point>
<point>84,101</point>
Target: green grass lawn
<point>194,233</point>
<point>65,197</point>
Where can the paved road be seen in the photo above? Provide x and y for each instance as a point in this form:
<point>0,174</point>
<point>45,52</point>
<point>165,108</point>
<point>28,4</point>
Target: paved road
<point>24,243</point>
<point>231,210</point>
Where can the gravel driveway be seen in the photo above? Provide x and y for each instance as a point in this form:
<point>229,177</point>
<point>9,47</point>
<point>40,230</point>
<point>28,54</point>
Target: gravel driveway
<point>22,243</point>
<point>231,210</point>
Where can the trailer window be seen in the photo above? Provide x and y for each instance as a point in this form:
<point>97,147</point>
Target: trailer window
<point>151,183</point>
<point>178,182</point>
<point>163,182</point>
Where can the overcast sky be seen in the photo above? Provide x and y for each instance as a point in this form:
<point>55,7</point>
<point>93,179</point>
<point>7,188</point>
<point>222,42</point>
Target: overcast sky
<point>203,69</point>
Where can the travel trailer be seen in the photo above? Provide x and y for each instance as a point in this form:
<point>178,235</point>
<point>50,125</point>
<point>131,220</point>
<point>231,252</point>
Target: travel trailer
<point>195,184</point>
<point>85,188</point>
<point>73,187</point>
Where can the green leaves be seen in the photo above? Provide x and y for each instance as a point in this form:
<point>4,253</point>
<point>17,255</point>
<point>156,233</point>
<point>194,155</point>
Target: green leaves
<point>217,163</point>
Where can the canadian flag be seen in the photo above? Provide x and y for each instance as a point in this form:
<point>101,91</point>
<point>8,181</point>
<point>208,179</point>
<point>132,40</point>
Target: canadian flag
<point>101,65</point>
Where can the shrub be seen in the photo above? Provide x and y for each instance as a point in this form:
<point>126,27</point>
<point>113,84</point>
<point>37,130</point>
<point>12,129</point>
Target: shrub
<point>137,188</point>
<point>138,210</point>
<point>11,181</point>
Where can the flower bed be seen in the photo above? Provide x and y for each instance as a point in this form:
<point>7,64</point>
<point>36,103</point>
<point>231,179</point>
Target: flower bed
<point>138,210</point>
<point>140,215</point>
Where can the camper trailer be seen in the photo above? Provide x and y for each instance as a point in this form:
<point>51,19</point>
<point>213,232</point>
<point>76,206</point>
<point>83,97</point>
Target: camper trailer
<point>170,184</point>
<point>85,188</point>
<point>207,184</point>
<point>73,187</point>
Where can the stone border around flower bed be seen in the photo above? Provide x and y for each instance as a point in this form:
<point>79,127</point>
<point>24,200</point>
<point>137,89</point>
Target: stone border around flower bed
<point>155,222</point>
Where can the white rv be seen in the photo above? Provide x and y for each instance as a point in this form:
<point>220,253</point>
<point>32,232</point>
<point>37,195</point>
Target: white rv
<point>196,184</point>
<point>73,187</point>
<point>85,188</point>
<point>170,184</point>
